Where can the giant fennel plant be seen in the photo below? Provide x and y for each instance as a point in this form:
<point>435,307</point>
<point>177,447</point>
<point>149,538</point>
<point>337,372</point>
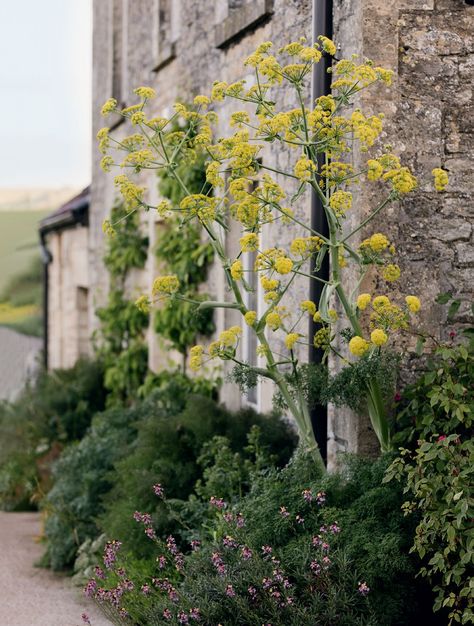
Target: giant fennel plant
<point>253,194</point>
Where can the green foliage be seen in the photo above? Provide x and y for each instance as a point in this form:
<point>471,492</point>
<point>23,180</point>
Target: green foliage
<point>181,251</point>
<point>81,477</point>
<point>25,287</point>
<point>51,412</point>
<point>172,448</point>
<point>120,342</point>
<point>438,414</point>
<point>232,581</point>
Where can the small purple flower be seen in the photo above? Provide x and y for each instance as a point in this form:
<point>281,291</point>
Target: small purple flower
<point>217,502</point>
<point>161,560</point>
<point>110,553</point>
<point>142,518</point>
<point>321,497</point>
<point>307,495</point>
<point>252,592</point>
<point>315,567</point>
<point>128,585</point>
<point>158,490</point>
<point>171,545</point>
<point>334,528</point>
<point>325,546</point>
<point>123,612</point>
<point>229,591</point>
<point>85,619</point>
<point>90,588</point>
<point>246,553</point>
<point>195,614</point>
<point>363,588</point>
<point>266,550</point>
<point>150,533</point>
<point>218,563</point>
<point>120,572</point>
<point>167,614</point>
<point>326,562</point>
<point>183,618</point>
<point>283,511</point>
<point>145,589</point>
<point>195,544</point>
<point>230,543</point>
<point>397,397</point>
<point>239,520</point>
<point>317,541</point>
<point>299,519</point>
<point>99,572</point>
<point>323,529</point>
<point>228,517</point>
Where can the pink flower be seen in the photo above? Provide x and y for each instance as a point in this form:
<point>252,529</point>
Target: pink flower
<point>217,502</point>
<point>307,495</point>
<point>363,588</point>
<point>441,438</point>
<point>283,511</point>
<point>229,591</point>
<point>167,614</point>
<point>397,397</point>
<point>158,490</point>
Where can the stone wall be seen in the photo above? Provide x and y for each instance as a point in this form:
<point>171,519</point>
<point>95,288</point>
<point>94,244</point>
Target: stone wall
<point>68,300</point>
<point>428,116</point>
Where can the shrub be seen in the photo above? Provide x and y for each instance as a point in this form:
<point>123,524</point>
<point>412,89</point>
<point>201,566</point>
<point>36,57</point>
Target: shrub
<point>169,450</point>
<point>438,474</point>
<point>54,410</point>
<point>298,549</point>
<point>81,477</point>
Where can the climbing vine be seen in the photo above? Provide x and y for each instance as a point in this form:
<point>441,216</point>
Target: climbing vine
<point>120,342</point>
<point>180,251</point>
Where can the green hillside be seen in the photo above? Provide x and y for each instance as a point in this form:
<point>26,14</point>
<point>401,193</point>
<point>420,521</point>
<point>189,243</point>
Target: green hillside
<point>18,242</point>
<point>21,271</point>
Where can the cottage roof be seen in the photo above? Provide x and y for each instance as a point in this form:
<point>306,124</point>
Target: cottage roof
<point>74,211</point>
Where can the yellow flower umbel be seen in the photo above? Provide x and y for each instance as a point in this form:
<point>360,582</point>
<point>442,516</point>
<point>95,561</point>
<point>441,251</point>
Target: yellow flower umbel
<point>273,320</point>
<point>304,168</point>
<point>391,273</point>
<point>283,265</point>
<point>165,285</point>
<point>290,340</point>
<point>195,357</point>
<point>413,303</point>
<point>309,306</point>
<point>440,178</point>
<point>237,270</point>
<point>340,202</point>
<point>378,337</point>
<point>358,346</point>
<point>249,242</point>
<point>250,318</point>
<point>363,301</point>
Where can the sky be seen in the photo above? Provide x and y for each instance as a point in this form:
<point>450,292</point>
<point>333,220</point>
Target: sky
<point>45,93</point>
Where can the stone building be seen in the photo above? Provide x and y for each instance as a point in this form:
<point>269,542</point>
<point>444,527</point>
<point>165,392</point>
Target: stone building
<point>180,47</point>
<point>64,245</point>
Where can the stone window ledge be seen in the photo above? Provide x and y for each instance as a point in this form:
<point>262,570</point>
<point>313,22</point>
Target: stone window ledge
<point>167,54</point>
<point>240,21</point>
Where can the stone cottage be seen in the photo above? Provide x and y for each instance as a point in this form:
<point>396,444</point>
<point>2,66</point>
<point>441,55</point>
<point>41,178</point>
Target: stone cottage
<point>180,47</point>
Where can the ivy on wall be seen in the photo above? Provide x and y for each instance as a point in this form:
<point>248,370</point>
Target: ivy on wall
<point>120,342</point>
<point>180,251</point>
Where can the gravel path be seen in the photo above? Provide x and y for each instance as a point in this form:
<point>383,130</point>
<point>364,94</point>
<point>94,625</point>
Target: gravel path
<point>30,596</point>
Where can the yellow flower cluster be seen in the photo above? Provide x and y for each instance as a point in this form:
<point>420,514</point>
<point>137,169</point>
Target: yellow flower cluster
<point>138,159</point>
<point>143,304</point>
<point>402,179</point>
<point>340,202</point>
<point>413,303</point>
<point>291,339</point>
<point>132,193</point>
<point>147,93</point>
<point>363,301</point>
<point>322,338</point>
<point>273,320</point>
<point>165,285</point>
<point>366,129</point>
<point>304,168</point>
<point>302,246</point>
<point>358,346</point>
<point>377,243</point>
<point>202,206</point>
<point>440,178</point>
<point>109,107</point>
<point>283,265</point>
<point>249,242</point>
<point>237,270</point>
<point>309,306</point>
<point>391,272</point>
<point>212,174</point>
<point>106,163</point>
<point>250,318</point>
<point>239,119</point>
<point>195,357</point>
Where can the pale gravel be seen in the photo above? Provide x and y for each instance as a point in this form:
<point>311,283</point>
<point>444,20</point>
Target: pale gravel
<point>30,596</point>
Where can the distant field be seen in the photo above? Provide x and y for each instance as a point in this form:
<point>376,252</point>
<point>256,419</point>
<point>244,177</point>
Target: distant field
<point>18,241</point>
